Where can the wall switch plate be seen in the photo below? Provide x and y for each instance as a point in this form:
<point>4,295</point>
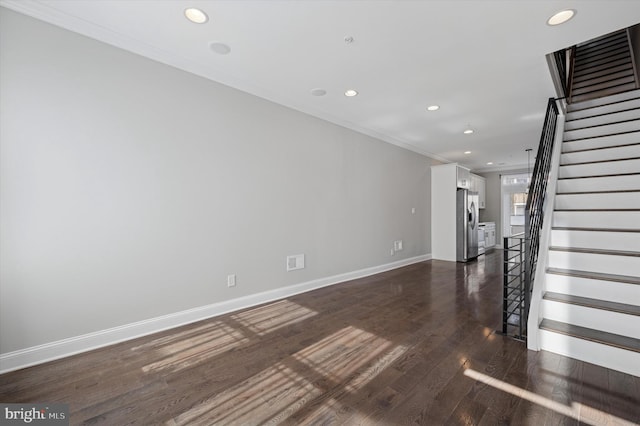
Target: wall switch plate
<point>295,261</point>
<point>413,210</point>
<point>397,245</point>
<point>231,280</point>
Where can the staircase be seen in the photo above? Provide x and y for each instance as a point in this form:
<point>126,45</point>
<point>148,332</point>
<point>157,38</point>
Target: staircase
<point>589,299</point>
<point>603,66</point>
<point>590,308</point>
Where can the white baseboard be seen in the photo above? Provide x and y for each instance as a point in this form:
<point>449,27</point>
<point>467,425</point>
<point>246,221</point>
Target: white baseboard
<point>62,348</point>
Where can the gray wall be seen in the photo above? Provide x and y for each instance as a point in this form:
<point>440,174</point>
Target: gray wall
<point>130,189</point>
<point>491,212</point>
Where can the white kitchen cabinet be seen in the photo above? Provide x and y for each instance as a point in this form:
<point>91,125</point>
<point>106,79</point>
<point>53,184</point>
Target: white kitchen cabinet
<point>489,234</point>
<point>479,185</point>
<point>463,177</point>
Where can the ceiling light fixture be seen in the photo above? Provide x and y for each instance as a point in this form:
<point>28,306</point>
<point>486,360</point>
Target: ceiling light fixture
<point>467,152</point>
<point>468,130</point>
<point>196,16</point>
<point>350,93</point>
<point>561,17</point>
<point>220,48</point>
<point>433,108</point>
<point>490,163</point>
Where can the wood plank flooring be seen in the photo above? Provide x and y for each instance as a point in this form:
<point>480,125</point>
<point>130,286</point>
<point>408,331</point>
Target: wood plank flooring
<point>411,346</point>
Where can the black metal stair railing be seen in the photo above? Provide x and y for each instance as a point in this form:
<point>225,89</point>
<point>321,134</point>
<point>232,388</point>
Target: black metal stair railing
<point>521,251</point>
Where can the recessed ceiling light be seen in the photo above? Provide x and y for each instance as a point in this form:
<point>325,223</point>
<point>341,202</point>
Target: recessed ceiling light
<point>219,48</point>
<point>467,152</point>
<point>490,163</point>
<point>561,17</point>
<point>468,131</point>
<point>350,93</point>
<point>196,16</point>
<point>318,92</point>
<point>433,108</point>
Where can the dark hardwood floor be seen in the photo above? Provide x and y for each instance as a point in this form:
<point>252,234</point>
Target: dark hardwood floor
<point>411,346</point>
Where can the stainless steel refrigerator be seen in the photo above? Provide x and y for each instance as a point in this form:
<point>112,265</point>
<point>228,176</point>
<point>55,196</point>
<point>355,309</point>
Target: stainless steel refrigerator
<point>466,225</point>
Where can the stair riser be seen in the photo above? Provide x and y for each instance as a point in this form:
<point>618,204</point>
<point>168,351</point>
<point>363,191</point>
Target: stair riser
<point>616,153</point>
<point>624,73</point>
<point>613,220</point>
<point>628,241</point>
<point>609,183</point>
<point>591,132</point>
<point>603,73</point>
<point>591,262</point>
<point>597,319</point>
<point>611,291</point>
<point>594,353</point>
<point>607,51</point>
<point>576,106</point>
<point>593,86</point>
<point>604,92</point>
<point>602,142</point>
<point>604,109</point>
<point>584,66</point>
<point>599,169</point>
<point>633,114</point>
<point>614,200</point>
<point>586,73</point>
<point>604,40</point>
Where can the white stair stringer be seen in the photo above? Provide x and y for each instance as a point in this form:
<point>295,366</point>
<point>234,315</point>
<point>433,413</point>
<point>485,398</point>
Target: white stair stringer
<point>588,304</point>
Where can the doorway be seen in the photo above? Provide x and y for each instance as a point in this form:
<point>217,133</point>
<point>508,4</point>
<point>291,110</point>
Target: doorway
<point>513,190</point>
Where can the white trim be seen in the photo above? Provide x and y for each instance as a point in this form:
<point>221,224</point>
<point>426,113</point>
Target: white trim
<point>62,348</point>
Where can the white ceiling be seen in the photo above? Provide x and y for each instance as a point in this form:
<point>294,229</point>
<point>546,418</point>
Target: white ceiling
<point>482,61</point>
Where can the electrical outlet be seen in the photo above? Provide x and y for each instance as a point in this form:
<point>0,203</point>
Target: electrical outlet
<point>231,280</point>
<point>397,245</point>
<point>393,252</point>
<point>295,261</point>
